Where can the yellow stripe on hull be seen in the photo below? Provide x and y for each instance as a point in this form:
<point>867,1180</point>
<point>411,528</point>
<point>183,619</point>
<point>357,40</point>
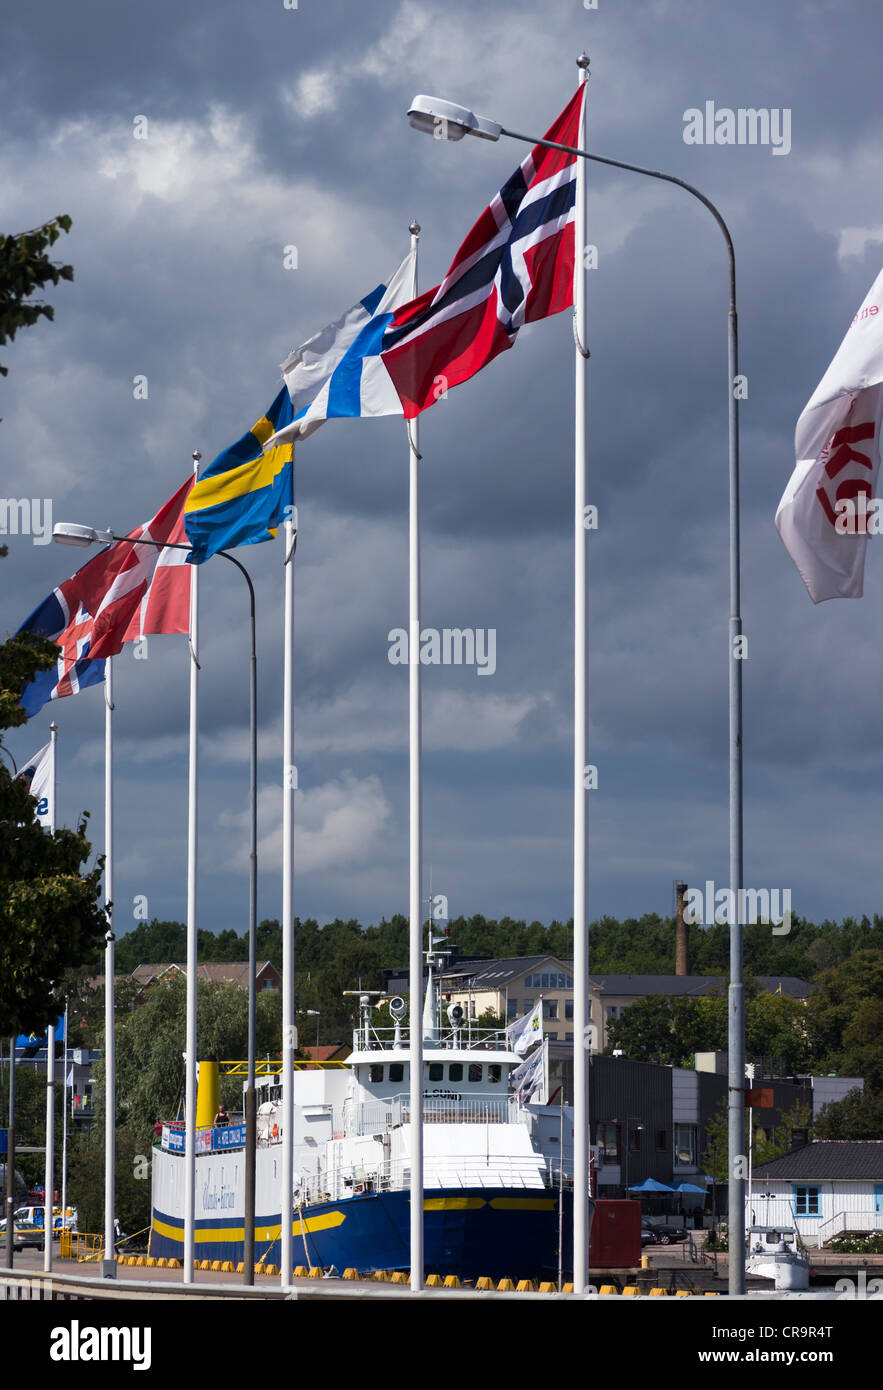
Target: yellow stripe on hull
<point>206,1236</point>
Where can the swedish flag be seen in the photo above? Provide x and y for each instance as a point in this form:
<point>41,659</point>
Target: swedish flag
<point>241,497</point>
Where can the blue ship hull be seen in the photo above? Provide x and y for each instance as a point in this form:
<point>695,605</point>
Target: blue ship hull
<point>469,1232</point>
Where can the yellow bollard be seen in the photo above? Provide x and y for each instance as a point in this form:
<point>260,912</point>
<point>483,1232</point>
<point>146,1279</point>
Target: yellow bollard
<point>504,1285</point>
<point>484,1282</point>
<point>433,1281</point>
<point>400,1277</point>
<point>682,1293</point>
<point>525,1286</point>
<point>609,1289</point>
<point>548,1288</point>
<point>645,1261</point>
<point>659,1293</point>
<point>631,1291</point>
<point>568,1288</point>
<point>316,1272</point>
<point>451,1281</point>
<point>300,1272</point>
<point>350,1273</point>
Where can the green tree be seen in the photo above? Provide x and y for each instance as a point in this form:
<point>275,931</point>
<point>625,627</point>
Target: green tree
<point>24,268</point>
<point>50,921</point>
<point>150,1046</point>
<point>858,1116</point>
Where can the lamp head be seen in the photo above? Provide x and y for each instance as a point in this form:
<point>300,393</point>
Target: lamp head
<point>68,533</point>
<point>447,120</point>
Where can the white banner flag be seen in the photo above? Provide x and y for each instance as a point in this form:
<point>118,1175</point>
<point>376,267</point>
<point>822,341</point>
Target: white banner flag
<point>527,1078</point>
<point>38,776</point>
<point>824,517</point>
<point>526,1031</point>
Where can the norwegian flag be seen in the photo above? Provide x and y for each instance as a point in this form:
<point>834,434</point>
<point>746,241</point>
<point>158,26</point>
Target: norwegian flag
<point>121,595</point>
<point>515,266</point>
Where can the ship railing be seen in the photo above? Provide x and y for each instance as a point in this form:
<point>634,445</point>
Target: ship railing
<point>369,1117</point>
<point>444,1171</point>
<point>463,1038</point>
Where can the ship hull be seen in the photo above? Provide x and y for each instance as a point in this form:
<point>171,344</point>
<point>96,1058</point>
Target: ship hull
<point>468,1232</point>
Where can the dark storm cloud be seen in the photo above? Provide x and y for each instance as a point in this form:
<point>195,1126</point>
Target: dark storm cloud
<point>271,127</point>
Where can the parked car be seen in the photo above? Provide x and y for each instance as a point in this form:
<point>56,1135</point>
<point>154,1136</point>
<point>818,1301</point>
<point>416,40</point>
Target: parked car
<point>24,1234</point>
<point>660,1233</point>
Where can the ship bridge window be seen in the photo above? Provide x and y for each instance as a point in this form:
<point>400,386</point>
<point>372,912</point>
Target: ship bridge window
<point>396,1071</point>
<point>375,1073</point>
<point>436,1071</point>
<point>455,1071</point>
<point>494,1072</point>
<point>475,1070</point>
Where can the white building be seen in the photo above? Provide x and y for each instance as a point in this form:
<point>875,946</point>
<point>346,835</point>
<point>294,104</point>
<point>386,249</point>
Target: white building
<point>827,1189</point>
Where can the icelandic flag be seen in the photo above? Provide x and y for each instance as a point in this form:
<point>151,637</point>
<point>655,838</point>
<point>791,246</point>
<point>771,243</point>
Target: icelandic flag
<point>515,266</point>
<point>120,595</point>
<point>339,373</point>
<point>37,774</point>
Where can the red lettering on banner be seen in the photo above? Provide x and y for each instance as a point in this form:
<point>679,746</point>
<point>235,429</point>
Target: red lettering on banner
<point>851,488</point>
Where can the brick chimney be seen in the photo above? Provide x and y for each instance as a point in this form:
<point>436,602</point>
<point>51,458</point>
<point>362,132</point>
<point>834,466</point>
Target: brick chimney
<point>682,956</point>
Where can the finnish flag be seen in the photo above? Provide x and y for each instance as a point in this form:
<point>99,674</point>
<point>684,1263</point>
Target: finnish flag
<point>339,373</point>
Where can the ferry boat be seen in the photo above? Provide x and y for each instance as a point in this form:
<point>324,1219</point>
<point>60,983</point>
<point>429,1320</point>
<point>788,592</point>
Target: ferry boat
<point>492,1165</point>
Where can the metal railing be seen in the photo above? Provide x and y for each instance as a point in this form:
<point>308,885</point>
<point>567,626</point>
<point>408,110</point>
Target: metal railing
<point>367,1117</point>
<point>446,1171</point>
<point>858,1221</point>
<point>463,1039</point>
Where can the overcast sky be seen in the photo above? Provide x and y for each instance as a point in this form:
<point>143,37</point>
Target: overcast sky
<point>270,127</point>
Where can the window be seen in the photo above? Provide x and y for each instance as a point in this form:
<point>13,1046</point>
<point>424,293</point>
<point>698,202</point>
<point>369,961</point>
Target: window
<point>807,1201</point>
<point>685,1146</point>
<point>544,983</point>
<point>635,1138</point>
<point>528,1005</point>
<point>662,1139</point>
<point>474,1071</point>
<point>568,1010</point>
<point>607,1138</point>
<point>550,1009</point>
<point>512,1008</point>
<point>455,1071</point>
<point>375,1073</point>
<point>436,1071</point>
<point>397,1071</point>
<point>610,1011</point>
<point>494,1072</point>
<point>568,1037</point>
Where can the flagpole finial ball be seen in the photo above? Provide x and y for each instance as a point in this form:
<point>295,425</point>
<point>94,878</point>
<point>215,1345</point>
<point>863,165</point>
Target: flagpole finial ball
<point>53,727</point>
<point>414,228</point>
<point>583,60</point>
<point>196,456</point>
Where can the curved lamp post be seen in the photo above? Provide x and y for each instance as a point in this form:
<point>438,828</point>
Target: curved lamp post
<point>447,120</point>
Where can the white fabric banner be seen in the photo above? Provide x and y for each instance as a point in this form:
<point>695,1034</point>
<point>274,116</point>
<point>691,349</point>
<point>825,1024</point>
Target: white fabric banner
<point>823,517</point>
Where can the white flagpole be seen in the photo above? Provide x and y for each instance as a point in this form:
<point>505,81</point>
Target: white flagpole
<point>288,788</point>
<point>190,1042</point>
<point>108,1266</point>
<point>49,1168</point>
<point>580,742</point>
<point>64,1124</point>
<point>415,745</point>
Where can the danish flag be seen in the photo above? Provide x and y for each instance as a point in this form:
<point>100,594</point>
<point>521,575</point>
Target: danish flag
<point>515,266</point>
<point>121,595</point>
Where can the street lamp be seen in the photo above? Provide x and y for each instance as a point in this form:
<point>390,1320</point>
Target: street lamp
<point>449,121</point>
<point>316,1014</point>
<point>68,533</point>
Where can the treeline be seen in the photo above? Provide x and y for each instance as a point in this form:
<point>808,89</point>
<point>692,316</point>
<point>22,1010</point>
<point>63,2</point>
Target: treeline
<point>642,945</point>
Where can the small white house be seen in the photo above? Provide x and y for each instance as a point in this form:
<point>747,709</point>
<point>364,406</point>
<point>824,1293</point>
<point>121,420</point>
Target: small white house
<point>827,1189</point>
